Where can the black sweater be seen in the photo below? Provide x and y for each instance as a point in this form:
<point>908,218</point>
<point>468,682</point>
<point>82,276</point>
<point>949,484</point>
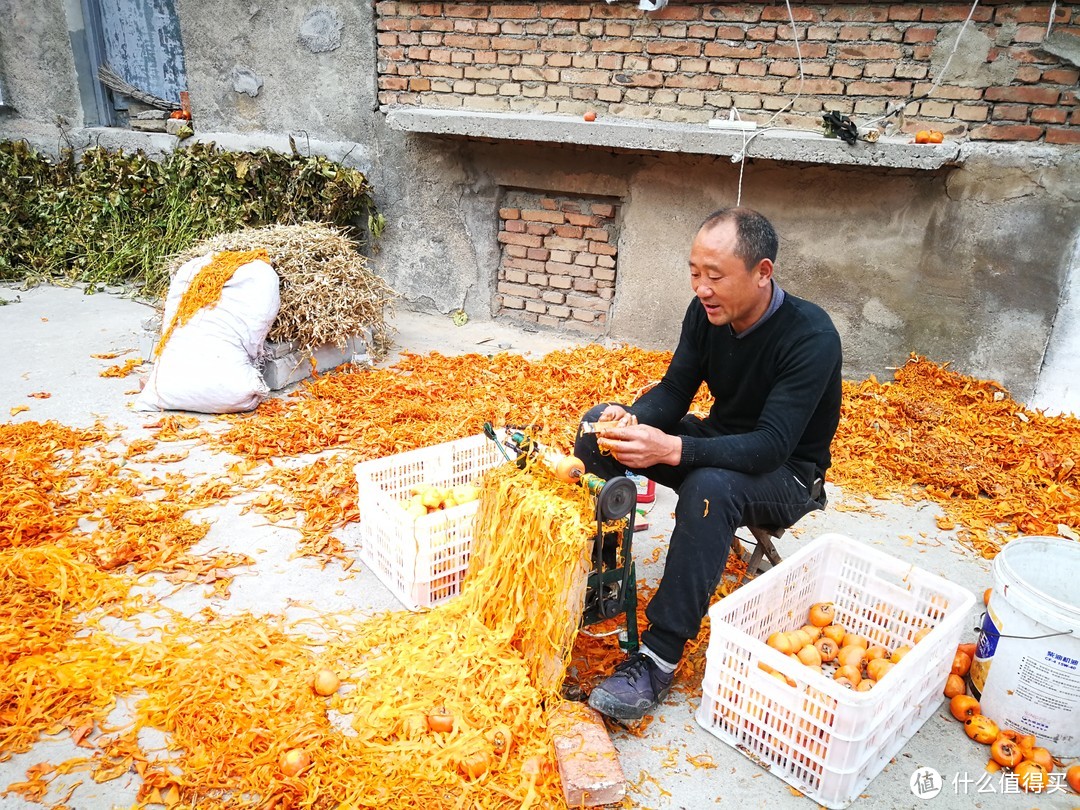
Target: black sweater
<point>777,390</point>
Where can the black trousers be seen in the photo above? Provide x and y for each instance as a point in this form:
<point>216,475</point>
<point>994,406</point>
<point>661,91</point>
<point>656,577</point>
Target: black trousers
<point>712,504</point>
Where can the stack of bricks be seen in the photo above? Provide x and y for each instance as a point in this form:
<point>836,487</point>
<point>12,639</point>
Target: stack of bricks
<point>693,60</point>
<point>558,263</point>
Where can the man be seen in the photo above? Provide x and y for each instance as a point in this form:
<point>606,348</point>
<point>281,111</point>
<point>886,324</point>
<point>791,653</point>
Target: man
<point>772,362</point>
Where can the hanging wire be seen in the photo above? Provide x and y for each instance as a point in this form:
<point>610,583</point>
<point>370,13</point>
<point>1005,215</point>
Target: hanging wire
<point>941,73</point>
<point>741,157</point>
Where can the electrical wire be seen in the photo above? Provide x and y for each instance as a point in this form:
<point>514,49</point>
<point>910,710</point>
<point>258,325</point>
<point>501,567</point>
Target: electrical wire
<point>941,73</point>
<point>741,157</point>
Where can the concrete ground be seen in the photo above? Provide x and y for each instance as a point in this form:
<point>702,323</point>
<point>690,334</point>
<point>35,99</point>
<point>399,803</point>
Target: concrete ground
<point>48,334</point>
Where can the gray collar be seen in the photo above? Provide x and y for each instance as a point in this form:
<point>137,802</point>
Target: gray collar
<point>774,304</point>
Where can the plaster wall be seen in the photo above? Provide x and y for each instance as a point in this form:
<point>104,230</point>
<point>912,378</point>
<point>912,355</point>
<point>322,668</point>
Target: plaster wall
<point>964,265</point>
<point>305,68</point>
<point>37,62</point>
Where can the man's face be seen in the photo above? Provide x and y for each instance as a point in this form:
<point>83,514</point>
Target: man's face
<point>730,292</point>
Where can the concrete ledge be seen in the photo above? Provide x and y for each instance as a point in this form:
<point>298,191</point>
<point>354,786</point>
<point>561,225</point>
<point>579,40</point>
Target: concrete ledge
<point>660,136</point>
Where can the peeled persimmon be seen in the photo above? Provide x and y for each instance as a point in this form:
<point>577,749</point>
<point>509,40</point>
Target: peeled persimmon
<point>954,685</point>
<point>878,668</point>
<point>440,721</point>
<point>569,469</point>
<point>1042,756</point>
<point>1031,776</point>
<point>921,634</point>
<point>1006,752</point>
<point>851,656</point>
<point>822,613</point>
<point>981,729</point>
<point>877,651</point>
<point>813,631</point>
<point>855,638</point>
<point>781,642</point>
<point>325,682</point>
<point>476,764</point>
<point>827,649</point>
<point>836,632</point>
<point>964,707</point>
<point>810,656</point>
<point>968,649</point>
<point>961,663</point>
<point>899,653</point>
<point>1072,777</point>
<point>294,761</point>
<point>849,673</point>
<point>865,685</point>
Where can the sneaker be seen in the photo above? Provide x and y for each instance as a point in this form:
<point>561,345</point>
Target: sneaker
<point>637,686</point>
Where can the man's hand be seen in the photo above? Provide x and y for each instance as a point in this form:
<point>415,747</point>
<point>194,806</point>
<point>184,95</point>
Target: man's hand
<point>639,446</point>
<point>619,415</point>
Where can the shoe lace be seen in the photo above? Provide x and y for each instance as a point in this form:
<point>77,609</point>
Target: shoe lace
<point>636,666</point>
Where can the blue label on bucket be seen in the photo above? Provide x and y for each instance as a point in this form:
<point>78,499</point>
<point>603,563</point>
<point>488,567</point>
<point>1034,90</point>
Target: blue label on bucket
<point>988,639</point>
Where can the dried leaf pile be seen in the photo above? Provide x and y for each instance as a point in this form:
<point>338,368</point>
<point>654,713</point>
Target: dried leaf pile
<point>997,469</point>
<point>329,293</point>
<point>81,518</point>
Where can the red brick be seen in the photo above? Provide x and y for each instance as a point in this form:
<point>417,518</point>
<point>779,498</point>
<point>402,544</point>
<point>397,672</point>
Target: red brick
<point>810,50</point>
<point>1007,132</point>
<point>752,67</point>
<point>1028,74</point>
<point>971,112</point>
<point>720,49</point>
<point>509,213</point>
<point>566,12</point>
<point>846,71</point>
<point>1061,76</point>
<point>574,45</point>
<point>616,46</point>
<point>674,48</point>
<point>603,210</point>
<point>439,71</point>
<point>587,259</point>
<point>602,249</point>
<point>677,13</point>
<point>1010,112</point>
<point>539,228</point>
<point>597,235</point>
<point>1029,33</point>
<point>817,87</point>
<point>879,89</point>
<point>869,52</point>
<point>569,231</point>
<point>862,14</point>
<point>476,12</point>
<point>905,12</point>
<point>392,83</point>
<point>528,240</point>
<point>581,220</point>
<point>518,290</point>
<point>514,12</point>
<point>779,13</point>
<point>736,12</point>
<point>761,34</point>
<point>464,41</point>
<point>647,79</point>
<point>854,32</point>
<point>1048,115</point>
<point>1029,15</point>
<point>1023,95</point>
<point>681,81</point>
<point>561,243</point>
<point>936,13</point>
<point>1063,135</point>
<point>920,35</point>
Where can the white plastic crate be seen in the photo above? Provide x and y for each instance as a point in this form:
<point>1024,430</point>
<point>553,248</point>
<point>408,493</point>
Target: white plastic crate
<point>422,560</point>
<point>821,738</point>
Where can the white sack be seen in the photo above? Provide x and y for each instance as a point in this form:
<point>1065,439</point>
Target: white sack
<point>208,364</point>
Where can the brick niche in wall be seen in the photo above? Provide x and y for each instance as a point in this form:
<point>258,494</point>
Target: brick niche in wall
<point>559,260</point>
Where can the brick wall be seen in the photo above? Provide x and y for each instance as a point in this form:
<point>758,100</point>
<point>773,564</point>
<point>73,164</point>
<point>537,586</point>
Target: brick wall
<point>559,260</point>
<point>693,60</point>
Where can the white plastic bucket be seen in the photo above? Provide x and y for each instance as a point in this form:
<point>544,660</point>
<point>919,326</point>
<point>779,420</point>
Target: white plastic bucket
<point>1026,671</point>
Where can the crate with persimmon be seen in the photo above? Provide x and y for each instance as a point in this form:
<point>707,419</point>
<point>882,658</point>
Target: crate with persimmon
<point>416,517</point>
<point>839,615</point>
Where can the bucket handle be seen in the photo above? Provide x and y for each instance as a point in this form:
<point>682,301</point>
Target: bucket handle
<point>979,629</point>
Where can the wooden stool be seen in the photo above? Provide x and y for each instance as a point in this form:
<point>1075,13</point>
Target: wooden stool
<point>764,550</point>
